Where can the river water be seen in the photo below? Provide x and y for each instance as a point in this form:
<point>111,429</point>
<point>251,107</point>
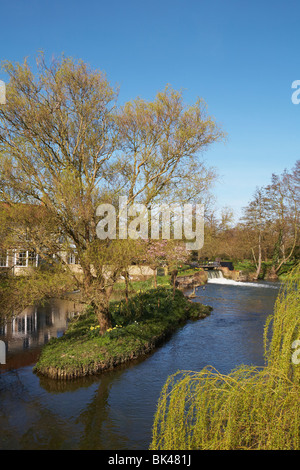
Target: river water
<point>115,410</point>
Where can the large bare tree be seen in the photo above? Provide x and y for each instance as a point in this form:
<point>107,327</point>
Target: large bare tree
<point>65,145</point>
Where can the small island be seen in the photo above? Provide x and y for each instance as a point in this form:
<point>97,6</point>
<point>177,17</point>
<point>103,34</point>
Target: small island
<point>139,325</point>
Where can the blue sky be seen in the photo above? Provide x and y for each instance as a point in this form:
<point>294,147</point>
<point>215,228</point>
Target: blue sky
<point>240,56</point>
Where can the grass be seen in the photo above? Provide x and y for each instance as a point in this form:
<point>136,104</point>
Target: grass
<point>138,327</point>
<point>143,286</point>
<point>249,267</point>
<point>188,271</point>
<point>244,265</point>
<point>250,408</point>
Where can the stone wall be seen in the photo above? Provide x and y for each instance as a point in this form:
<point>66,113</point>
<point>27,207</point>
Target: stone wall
<point>194,280</point>
<point>243,276</point>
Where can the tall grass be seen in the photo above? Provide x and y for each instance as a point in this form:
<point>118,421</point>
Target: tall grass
<point>251,408</point>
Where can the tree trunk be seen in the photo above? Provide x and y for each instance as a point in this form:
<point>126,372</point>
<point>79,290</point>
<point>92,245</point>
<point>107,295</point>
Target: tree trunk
<point>259,258</point>
<point>126,277</point>
<point>98,297</point>
<point>101,306</point>
<point>272,276</point>
<point>104,319</point>
<point>275,260</point>
<point>286,258</point>
<point>173,280</point>
<point>155,279</point>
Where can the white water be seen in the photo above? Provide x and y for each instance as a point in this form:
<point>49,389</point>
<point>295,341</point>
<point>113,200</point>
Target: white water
<point>216,277</point>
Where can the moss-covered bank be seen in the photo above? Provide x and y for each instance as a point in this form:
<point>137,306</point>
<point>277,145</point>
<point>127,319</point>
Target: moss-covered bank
<point>138,327</point>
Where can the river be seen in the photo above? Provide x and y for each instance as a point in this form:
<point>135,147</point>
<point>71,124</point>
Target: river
<point>115,410</point>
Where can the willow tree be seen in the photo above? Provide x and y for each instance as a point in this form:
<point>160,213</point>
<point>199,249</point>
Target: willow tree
<point>65,144</point>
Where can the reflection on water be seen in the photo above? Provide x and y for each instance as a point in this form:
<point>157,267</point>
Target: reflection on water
<point>25,334</point>
<point>115,410</point>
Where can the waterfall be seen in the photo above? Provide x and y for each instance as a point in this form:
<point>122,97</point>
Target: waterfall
<point>214,274</point>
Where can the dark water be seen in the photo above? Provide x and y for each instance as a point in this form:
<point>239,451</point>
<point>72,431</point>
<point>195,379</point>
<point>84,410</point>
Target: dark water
<point>115,410</point>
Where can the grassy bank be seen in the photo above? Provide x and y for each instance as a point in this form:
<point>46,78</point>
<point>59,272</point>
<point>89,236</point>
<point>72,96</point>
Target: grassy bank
<point>138,327</point>
<point>248,266</point>
<point>148,284</point>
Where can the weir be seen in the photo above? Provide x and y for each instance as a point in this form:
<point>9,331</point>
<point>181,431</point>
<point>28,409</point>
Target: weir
<point>214,274</point>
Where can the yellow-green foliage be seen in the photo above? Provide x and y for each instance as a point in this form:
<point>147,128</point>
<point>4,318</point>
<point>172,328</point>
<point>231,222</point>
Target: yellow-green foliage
<point>251,408</point>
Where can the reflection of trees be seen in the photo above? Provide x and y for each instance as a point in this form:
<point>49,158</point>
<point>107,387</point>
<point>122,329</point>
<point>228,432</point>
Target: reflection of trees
<point>33,327</point>
<point>26,422</point>
<point>100,432</point>
<point>46,430</point>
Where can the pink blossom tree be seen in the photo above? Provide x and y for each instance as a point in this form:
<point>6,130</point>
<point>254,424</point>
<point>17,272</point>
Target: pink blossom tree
<point>171,253</point>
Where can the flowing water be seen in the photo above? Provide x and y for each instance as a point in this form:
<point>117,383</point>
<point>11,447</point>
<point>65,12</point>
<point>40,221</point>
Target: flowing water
<point>115,410</point>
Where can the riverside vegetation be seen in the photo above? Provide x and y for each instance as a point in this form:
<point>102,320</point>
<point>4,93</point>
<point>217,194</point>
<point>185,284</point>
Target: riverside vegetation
<point>250,408</point>
<point>138,326</point>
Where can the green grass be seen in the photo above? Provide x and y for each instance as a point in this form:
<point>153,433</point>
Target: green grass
<point>144,286</point>
<point>244,265</point>
<point>137,328</point>
<point>188,271</point>
<point>249,267</point>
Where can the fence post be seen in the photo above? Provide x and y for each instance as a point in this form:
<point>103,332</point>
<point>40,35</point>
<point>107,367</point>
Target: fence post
<point>2,352</point>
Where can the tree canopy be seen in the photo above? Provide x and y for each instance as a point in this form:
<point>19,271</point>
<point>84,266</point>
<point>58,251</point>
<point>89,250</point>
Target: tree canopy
<point>67,145</point>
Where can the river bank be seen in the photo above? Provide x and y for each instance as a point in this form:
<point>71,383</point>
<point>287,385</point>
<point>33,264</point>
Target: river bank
<point>115,409</point>
<point>139,326</point>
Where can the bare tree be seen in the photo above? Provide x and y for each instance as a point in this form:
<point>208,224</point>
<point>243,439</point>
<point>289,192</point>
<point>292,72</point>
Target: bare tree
<point>284,198</point>
<point>256,221</point>
<point>66,146</point>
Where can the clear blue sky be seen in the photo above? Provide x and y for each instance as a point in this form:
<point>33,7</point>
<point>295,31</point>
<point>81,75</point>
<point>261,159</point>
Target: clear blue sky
<point>240,56</point>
